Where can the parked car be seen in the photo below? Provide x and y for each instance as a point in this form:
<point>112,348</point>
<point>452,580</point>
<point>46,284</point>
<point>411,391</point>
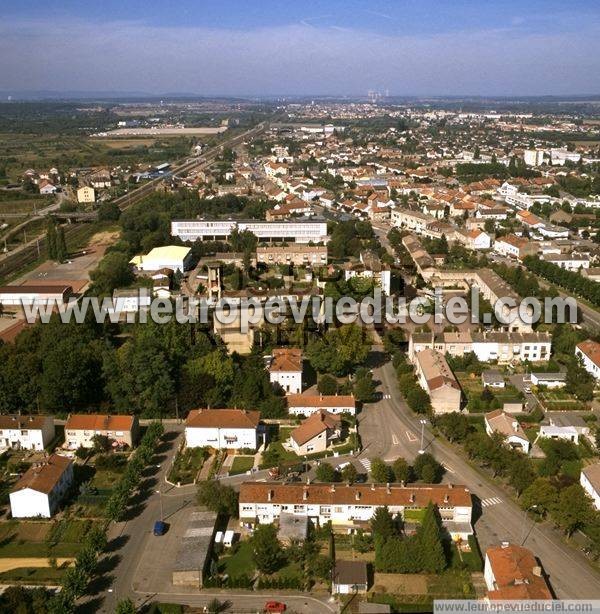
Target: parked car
<point>160,528</point>
<point>275,606</point>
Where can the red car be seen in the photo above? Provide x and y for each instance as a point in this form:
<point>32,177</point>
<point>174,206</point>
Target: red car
<point>275,606</point>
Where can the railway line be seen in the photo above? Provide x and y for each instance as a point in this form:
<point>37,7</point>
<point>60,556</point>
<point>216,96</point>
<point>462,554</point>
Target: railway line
<point>29,253</point>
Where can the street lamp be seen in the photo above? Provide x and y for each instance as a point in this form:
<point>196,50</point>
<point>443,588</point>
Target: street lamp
<point>523,536</point>
<point>423,423</point>
<point>159,493</point>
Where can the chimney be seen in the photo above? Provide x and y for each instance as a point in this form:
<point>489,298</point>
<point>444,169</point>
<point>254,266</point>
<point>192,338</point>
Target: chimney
<point>412,497</point>
<point>308,481</point>
<point>401,483</point>
<point>388,489</point>
<point>537,571</point>
<point>357,495</point>
<point>270,495</point>
<point>333,488</point>
<point>505,544</point>
<point>450,485</point>
<point>446,498</point>
<point>373,486</point>
<point>305,494</point>
<point>515,426</point>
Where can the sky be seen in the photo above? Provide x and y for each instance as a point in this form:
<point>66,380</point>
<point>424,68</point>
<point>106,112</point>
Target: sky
<point>302,47</point>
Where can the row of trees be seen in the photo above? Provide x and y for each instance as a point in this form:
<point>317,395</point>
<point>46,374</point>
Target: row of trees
<point>56,242</point>
<point>549,488</point>
<point>395,552</point>
<point>416,398</point>
<point>116,505</point>
<point>571,281</point>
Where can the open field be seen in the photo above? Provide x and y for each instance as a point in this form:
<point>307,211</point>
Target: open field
<point>125,143</point>
<point>9,564</point>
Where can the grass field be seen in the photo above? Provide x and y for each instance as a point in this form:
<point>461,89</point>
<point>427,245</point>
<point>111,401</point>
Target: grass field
<point>42,539</point>
<point>33,575</point>
<point>241,464</point>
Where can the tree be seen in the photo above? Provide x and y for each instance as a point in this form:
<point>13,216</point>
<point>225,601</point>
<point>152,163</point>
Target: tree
<point>109,212</point>
<point>326,473</point>
<point>382,523</point>
<point>454,426</point>
<point>327,384</point>
<point>101,443</point>
<point>433,559</point>
<point>61,245</point>
<point>218,497</point>
<point>340,350</point>
<point>364,386</point>
<point>573,509</point>
<point>51,238</point>
<point>520,474</point>
<point>125,606</point>
<point>349,473</point>
<point>401,469</point>
<point>266,549</point>
<point>380,472</point>
<point>542,495</point>
<point>428,469</point>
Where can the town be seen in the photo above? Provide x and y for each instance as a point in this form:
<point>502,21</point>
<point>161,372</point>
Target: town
<point>309,353</point>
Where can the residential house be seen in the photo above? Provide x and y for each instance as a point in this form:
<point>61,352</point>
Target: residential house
<point>515,247</point>
<point>549,380</point>
<point>307,404</point>
<point>86,194</point>
<point>286,369</point>
<point>80,430</point>
<point>590,482</point>
<point>222,429</point>
<point>351,506</point>
<point>349,578</point>
<point>493,379</point>
<point>42,487</point>
<point>512,572</point>
<point>316,433</point>
<point>498,421</point>
<point>589,353</point>
<point>371,267</point>
<point>570,262</point>
<point>32,432</point>
<point>436,378</point>
<point>565,425</point>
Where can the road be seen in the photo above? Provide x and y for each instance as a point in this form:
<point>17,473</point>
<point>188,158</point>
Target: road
<point>389,429</point>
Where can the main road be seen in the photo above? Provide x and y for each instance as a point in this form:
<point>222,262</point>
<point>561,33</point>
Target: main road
<point>390,429</point>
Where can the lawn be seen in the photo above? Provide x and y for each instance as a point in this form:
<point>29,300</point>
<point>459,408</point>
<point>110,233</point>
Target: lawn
<point>33,575</point>
<point>188,463</point>
<point>414,515</point>
<point>241,464</point>
<point>42,539</point>
<point>238,560</point>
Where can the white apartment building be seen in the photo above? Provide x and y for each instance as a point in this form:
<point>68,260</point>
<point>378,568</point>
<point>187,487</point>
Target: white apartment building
<point>222,429</point>
<point>411,220</point>
<point>286,369</point>
<point>80,429</point>
<point>533,157</point>
<point>570,262</point>
<point>41,488</point>
<point>26,432</point>
<point>291,231</point>
<point>350,506</point>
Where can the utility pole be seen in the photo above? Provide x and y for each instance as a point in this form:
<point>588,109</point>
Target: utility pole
<point>159,493</point>
<point>423,423</point>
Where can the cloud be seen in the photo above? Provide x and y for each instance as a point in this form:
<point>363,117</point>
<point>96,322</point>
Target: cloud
<point>293,59</point>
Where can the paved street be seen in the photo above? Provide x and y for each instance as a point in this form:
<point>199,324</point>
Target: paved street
<point>497,517</point>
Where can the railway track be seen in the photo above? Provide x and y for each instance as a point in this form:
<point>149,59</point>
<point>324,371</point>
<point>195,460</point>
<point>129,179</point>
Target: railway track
<point>27,255</point>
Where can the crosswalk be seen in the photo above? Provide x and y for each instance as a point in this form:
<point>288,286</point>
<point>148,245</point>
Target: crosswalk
<point>387,396</point>
<point>491,501</point>
<point>366,463</point>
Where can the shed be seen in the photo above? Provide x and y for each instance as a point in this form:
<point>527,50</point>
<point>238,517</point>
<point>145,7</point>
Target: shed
<point>349,577</point>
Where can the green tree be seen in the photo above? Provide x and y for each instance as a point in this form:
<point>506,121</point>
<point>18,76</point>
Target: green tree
<point>521,474</point>
<point>109,212</point>
<point>327,384</point>
<point>573,509</point>
<point>429,538</point>
<point>428,469</point>
<point>326,473</point>
<point>542,495</point>
<point>364,386</point>
<point>266,549</point>
<point>401,469</point>
<point>382,523</point>
<point>218,497</point>
<point>349,473</point>
<point>51,238</point>
<point>125,606</point>
<point>61,245</point>
<point>380,472</point>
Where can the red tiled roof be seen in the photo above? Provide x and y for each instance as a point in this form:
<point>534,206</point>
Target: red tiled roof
<point>324,401</point>
<point>99,422</point>
<point>44,477</point>
<point>517,574</point>
<point>591,349</point>
<point>286,359</point>
<point>367,494</point>
<point>223,418</point>
<point>314,425</point>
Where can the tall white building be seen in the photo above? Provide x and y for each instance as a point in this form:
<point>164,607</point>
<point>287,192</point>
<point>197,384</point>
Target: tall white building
<point>290,231</point>
<point>286,369</point>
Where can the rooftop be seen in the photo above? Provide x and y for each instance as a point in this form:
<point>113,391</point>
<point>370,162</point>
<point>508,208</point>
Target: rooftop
<point>99,422</point>
<point>44,476</point>
<point>223,418</point>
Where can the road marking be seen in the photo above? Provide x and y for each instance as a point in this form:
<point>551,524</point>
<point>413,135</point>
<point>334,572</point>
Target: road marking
<point>410,436</point>
<point>491,501</point>
<point>447,468</point>
<point>395,439</point>
<point>366,463</point>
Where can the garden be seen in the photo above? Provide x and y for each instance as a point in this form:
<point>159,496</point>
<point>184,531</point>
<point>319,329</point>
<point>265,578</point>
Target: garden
<point>187,464</point>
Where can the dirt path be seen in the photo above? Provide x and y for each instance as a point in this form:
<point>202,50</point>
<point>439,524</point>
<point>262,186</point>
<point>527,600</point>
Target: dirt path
<point>15,563</point>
